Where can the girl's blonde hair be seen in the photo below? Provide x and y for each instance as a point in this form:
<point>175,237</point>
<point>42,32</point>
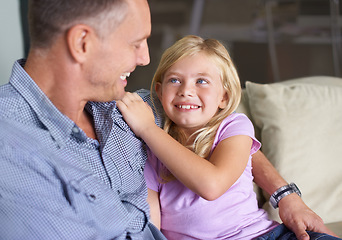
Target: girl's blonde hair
<point>216,52</point>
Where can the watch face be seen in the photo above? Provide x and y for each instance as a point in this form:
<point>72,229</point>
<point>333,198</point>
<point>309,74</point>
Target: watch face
<point>296,189</point>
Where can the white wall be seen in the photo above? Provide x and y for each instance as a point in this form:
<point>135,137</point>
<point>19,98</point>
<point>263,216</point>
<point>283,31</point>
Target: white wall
<point>11,43</point>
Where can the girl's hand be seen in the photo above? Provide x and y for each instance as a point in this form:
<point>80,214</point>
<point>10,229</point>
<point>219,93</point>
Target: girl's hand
<point>136,112</point>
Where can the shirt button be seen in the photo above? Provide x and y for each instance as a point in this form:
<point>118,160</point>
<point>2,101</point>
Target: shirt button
<point>91,197</point>
<point>75,130</point>
<point>141,170</point>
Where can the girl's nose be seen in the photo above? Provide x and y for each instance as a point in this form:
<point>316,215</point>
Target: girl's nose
<point>186,90</point>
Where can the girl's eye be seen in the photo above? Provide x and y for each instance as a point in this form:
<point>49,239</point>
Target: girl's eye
<point>174,80</point>
<point>202,81</point>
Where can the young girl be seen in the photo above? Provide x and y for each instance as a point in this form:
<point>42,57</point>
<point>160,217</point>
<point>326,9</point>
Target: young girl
<point>203,190</point>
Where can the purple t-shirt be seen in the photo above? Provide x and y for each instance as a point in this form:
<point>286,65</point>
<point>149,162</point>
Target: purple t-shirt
<point>234,215</point>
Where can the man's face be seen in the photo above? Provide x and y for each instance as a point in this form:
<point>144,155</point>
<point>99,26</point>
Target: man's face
<point>118,54</point>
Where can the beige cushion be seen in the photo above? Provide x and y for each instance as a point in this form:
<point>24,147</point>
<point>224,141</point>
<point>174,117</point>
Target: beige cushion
<point>301,133</point>
<point>244,108</point>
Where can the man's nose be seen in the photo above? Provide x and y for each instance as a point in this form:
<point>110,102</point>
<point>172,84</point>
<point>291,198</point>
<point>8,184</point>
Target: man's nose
<point>143,57</point>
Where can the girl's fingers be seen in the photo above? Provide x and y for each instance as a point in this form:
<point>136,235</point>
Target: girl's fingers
<point>131,98</point>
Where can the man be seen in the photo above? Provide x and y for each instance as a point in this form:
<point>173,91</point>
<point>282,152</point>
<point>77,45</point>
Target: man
<point>70,166</point>
<point>61,177</point>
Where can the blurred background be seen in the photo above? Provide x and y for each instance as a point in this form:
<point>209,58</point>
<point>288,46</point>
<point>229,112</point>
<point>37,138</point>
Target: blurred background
<point>269,40</point>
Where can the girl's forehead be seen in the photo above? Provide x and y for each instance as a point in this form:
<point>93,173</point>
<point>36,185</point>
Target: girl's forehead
<point>198,57</point>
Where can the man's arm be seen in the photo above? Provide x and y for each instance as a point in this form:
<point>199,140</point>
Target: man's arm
<point>33,205</point>
<point>265,175</point>
<point>42,196</point>
<point>294,213</point>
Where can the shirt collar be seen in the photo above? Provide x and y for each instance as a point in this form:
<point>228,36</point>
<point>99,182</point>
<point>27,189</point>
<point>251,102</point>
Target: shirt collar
<point>104,111</point>
<point>59,125</point>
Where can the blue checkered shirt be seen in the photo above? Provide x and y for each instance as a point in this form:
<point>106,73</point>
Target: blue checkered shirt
<point>57,183</point>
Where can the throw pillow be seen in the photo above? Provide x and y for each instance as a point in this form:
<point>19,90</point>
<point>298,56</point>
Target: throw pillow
<point>301,134</point>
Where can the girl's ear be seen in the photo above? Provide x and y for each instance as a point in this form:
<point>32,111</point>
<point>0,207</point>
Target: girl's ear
<point>224,101</point>
<point>158,88</point>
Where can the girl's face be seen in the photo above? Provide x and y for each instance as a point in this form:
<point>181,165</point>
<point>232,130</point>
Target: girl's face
<point>191,92</point>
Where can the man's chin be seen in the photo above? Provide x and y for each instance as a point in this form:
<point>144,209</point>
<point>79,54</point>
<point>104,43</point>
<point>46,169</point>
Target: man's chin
<point>119,96</point>
<point>112,94</point>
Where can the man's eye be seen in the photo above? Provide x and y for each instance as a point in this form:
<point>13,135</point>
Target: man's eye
<point>137,45</point>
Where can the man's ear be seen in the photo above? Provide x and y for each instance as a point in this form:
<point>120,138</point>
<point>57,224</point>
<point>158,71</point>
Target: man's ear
<point>224,101</point>
<point>79,40</point>
<point>158,88</point>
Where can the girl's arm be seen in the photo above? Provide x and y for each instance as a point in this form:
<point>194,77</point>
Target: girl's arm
<point>153,201</point>
<point>209,179</point>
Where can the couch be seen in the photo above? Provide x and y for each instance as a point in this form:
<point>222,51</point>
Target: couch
<point>299,123</point>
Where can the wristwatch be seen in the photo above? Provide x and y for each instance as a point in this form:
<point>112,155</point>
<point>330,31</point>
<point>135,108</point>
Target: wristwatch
<point>282,192</point>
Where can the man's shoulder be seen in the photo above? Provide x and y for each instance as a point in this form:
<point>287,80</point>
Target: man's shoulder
<point>12,104</point>
<point>153,101</point>
<point>18,142</point>
<point>17,126</point>
<point>7,91</point>
<point>144,94</point>
<point>14,132</point>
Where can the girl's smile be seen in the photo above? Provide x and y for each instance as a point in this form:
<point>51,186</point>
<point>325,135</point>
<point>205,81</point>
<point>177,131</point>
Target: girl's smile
<point>187,106</point>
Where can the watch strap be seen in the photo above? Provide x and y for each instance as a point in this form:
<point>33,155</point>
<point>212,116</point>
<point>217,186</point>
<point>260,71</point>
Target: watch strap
<point>283,192</point>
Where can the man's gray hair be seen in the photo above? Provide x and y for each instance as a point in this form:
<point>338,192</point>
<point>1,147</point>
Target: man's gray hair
<point>48,18</point>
